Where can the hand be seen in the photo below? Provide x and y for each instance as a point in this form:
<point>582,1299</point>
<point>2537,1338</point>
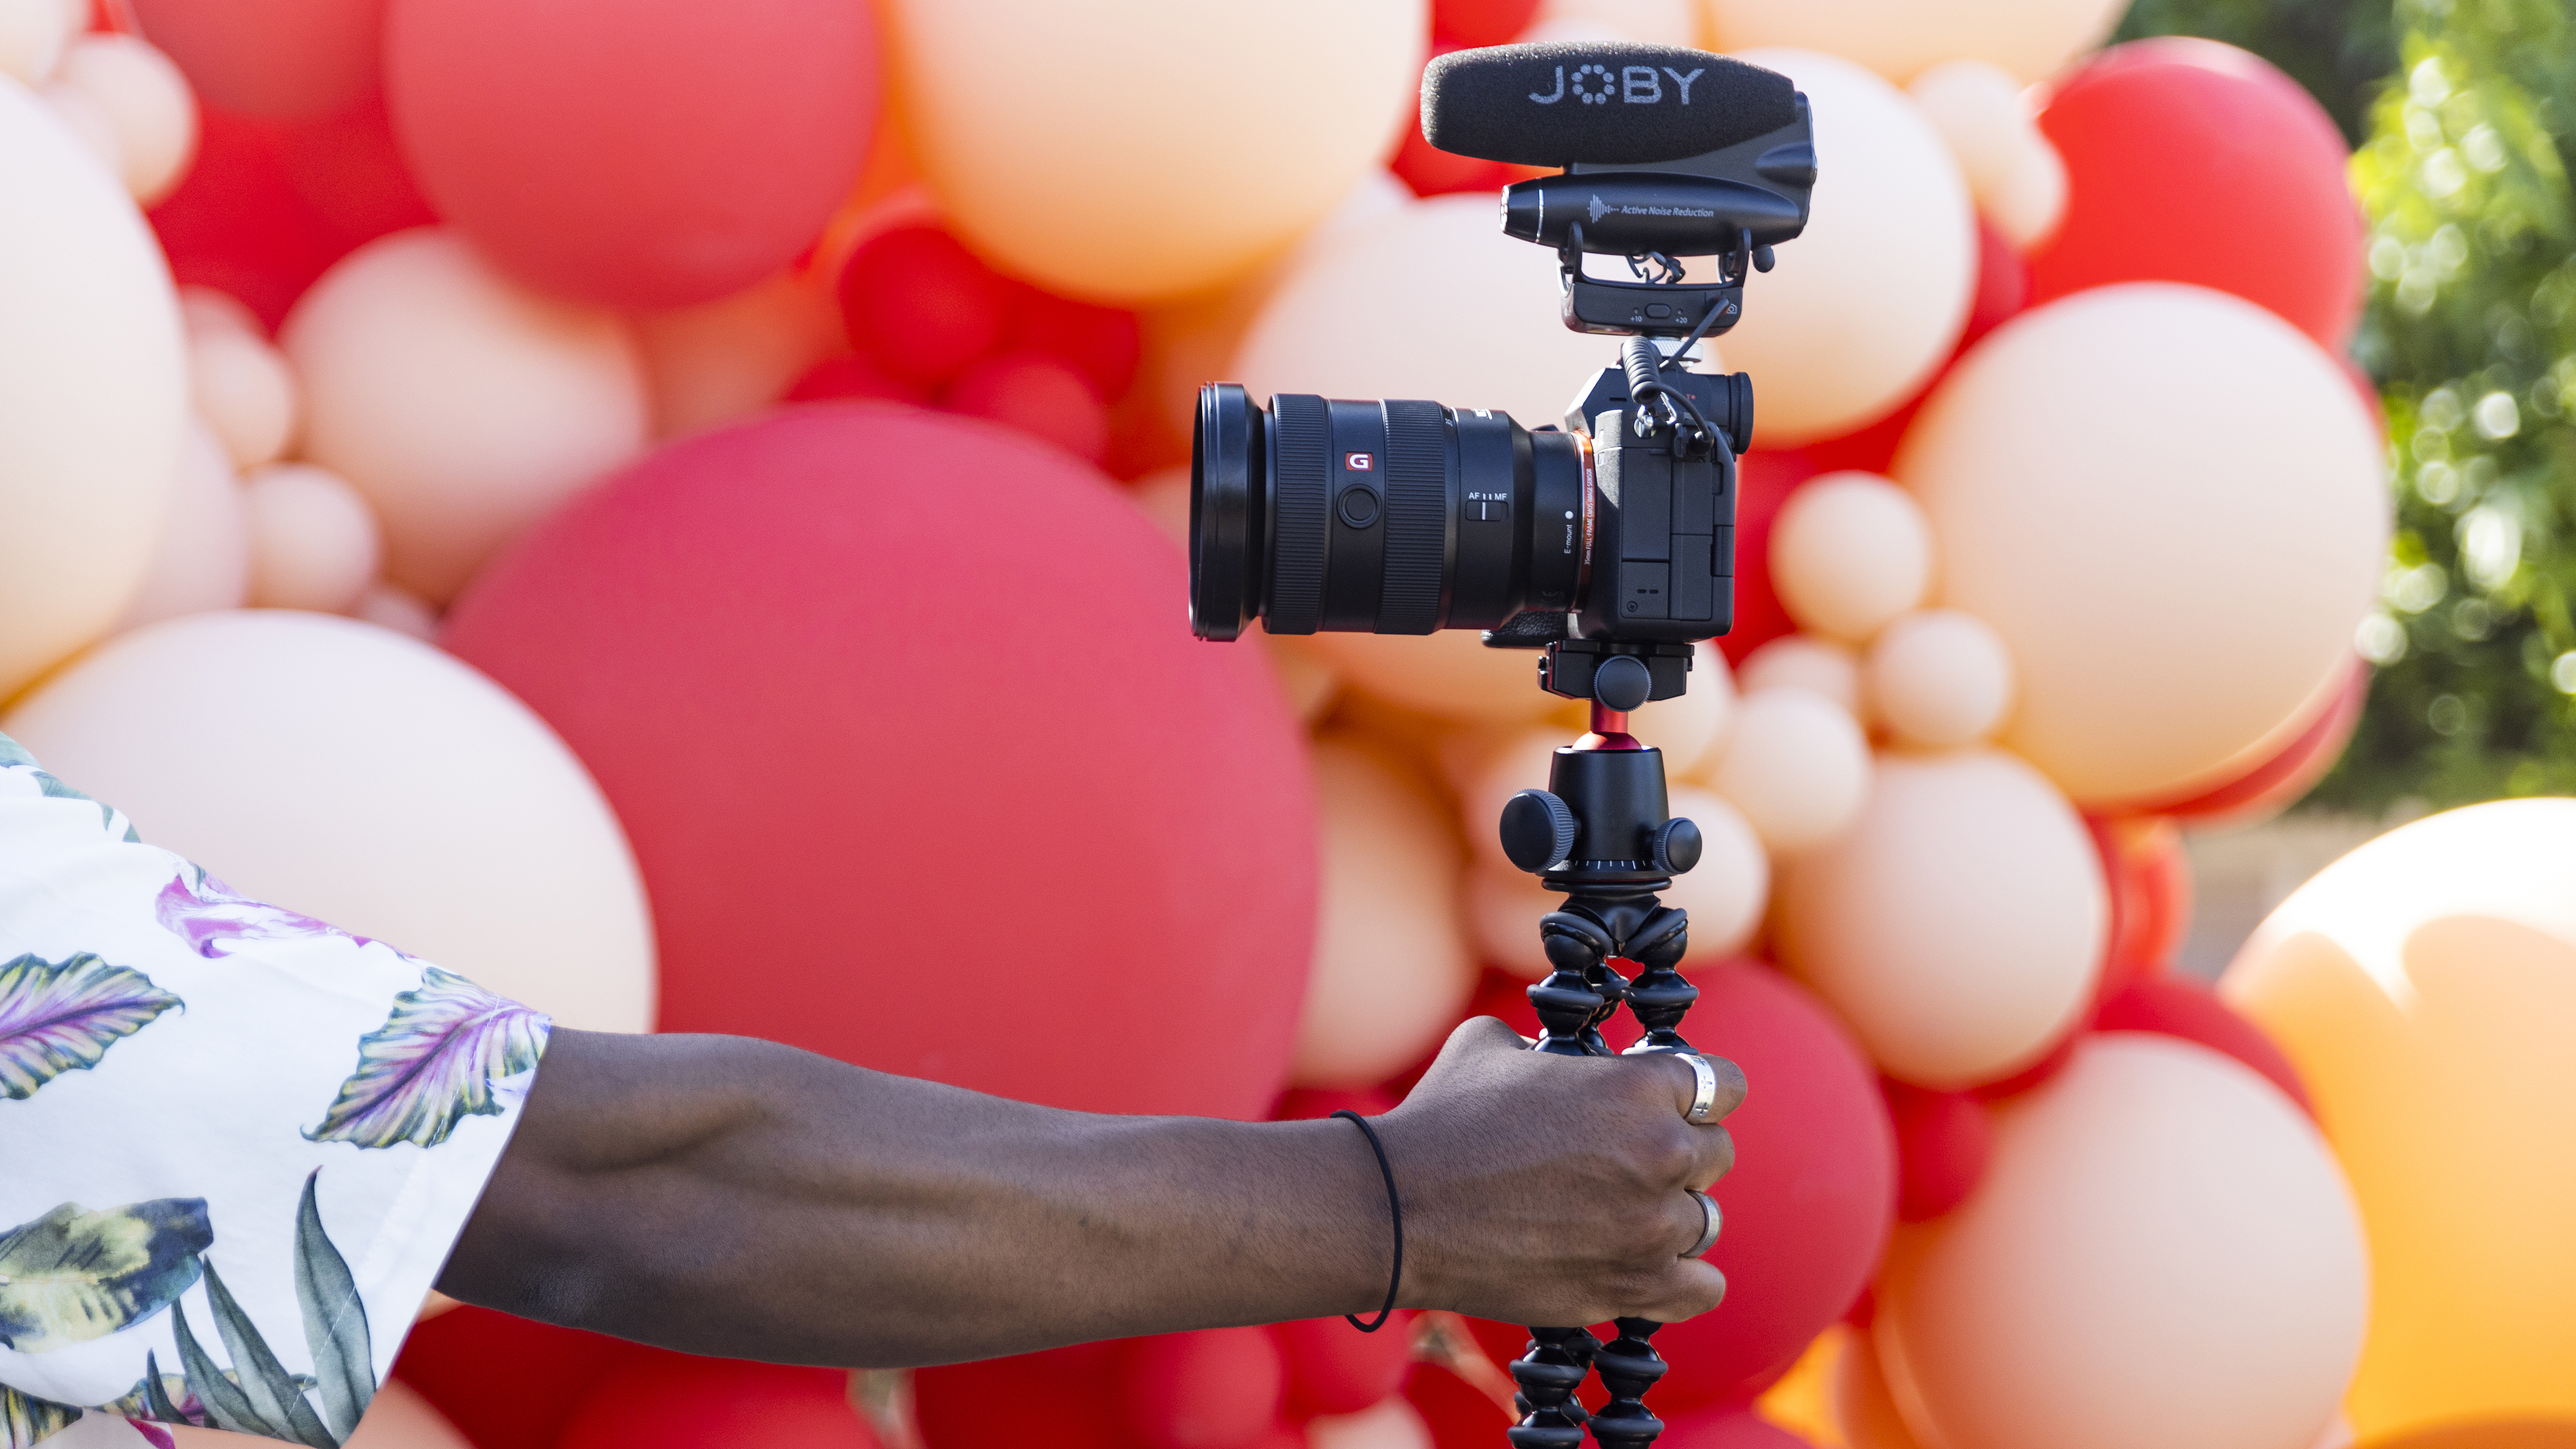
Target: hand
<point>1553,1190</point>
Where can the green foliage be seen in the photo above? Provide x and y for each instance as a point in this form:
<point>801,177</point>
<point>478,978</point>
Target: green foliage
<point>2341,50</point>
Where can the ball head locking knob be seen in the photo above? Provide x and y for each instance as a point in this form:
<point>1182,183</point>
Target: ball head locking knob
<point>1675,846</point>
<point>1538,830</point>
<point>1622,683</point>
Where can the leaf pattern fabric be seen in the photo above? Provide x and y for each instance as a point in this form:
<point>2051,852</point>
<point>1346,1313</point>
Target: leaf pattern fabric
<point>236,1142</point>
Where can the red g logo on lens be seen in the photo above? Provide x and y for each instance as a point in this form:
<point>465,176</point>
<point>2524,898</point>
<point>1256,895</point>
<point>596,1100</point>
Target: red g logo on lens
<point>1359,462</point>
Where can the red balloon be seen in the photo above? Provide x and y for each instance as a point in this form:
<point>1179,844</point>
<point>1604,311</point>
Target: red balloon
<point>1813,1194</point>
<point>1726,1428</point>
<point>1460,1415</point>
<point>507,1382</point>
<point>2276,784</point>
<point>1038,395</point>
<point>2178,1006</point>
<point>1335,1369</point>
<point>675,1401</point>
<point>2192,161</point>
<point>852,376</point>
<point>921,305</point>
<point>922,769</point>
<point>1764,479</point>
<point>1480,22</point>
<point>1064,1398</point>
<point>280,59</point>
<point>1103,344</point>
<point>1219,1388</point>
<point>1942,1142</point>
<point>2150,880</point>
<point>634,153</point>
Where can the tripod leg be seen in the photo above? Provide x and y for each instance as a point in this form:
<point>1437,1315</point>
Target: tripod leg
<point>1548,1374</point>
<point>1629,1366</point>
<point>1571,1001</point>
<point>1660,997</point>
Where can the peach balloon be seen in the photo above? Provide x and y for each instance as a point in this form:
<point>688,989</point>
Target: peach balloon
<point>1691,729</point>
<point>1864,1412</point>
<point>1490,771</point>
<point>204,309</point>
<point>1958,925</point>
<point>2425,987</point>
<point>1867,303</point>
<point>464,407</point>
<point>372,781</point>
<point>82,114</point>
<point>1803,661</point>
<point>313,540</point>
<point>1977,106</point>
<point>734,356</point>
<point>201,562</point>
<point>1017,144</point>
<point>1726,892</point>
<point>1393,1424</point>
<point>1656,22</point>
<point>245,392</point>
<point>1850,551</point>
<point>2030,201</point>
<point>1797,766</point>
<point>1434,302</point>
<point>1502,906</point>
<point>2162,1252</point>
<point>1901,38</point>
<point>1448,674</point>
<point>147,102</point>
<point>2157,654</point>
<point>1938,678</point>
<point>391,606</point>
<point>93,392</point>
<point>33,34</point>
<point>1392,969</point>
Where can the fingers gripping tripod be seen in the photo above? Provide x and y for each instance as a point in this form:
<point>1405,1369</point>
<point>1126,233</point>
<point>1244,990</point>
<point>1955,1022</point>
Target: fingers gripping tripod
<point>1601,834</point>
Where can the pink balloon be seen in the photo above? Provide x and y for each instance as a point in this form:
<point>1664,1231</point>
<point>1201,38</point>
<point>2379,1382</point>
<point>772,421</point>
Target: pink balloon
<point>276,59</point>
<point>636,153</point>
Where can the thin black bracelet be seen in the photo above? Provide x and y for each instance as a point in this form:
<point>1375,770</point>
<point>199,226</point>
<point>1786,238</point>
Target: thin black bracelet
<point>1395,1206</point>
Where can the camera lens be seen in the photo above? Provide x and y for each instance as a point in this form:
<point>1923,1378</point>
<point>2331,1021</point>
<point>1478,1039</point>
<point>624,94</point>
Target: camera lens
<point>1388,517</point>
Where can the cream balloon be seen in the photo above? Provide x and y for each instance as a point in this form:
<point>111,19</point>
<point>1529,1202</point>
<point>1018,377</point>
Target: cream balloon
<point>1797,766</point>
<point>2425,987</point>
<point>1392,969</point>
<point>1728,890</point>
<point>147,102</point>
<point>83,115</point>
<point>1655,22</point>
<point>1977,107</point>
<point>391,606</point>
<point>2162,1252</point>
<point>463,407</point>
<point>1958,925</point>
<point>2157,655</point>
<point>1692,728</point>
<point>313,540</point>
<point>2031,200</point>
<point>1868,301</point>
<point>1434,302</point>
<point>204,309</point>
<point>1901,38</point>
<point>33,34</point>
<point>1938,678</point>
<point>1490,773</point>
<point>202,561</point>
<point>732,357</point>
<point>1447,673</point>
<point>1311,97</point>
<point>93,392</point>
<point>1850,551</point>
<point>1502,906</point>
<point>367,779</point>
<point>1393,1424</point>
<point>245,391</point>
<point>1804,661</point>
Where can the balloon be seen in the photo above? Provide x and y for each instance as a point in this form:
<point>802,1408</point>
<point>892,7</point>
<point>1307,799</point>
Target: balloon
<point>725,360</point>
<point>1957,925</point>
<point>674,1401</point>
<point>1019,145</point>
<point>1943,1140</point>
<point>2163,1252</point>
<point>1391,966</point>
<point>93,393</point>
<point>1864,1411</point>
<point>1481,22</point>
<point>1809,1201</point>
<point>1938,678</point>
<point>33,34</point>
<point>2488,1434</point>
<point>1690,728</point>
<point>1797,766</point>
<point>2424,986</point>
<point>397,1418</point>
<point>2151,892</point>
<point>464,408</point>
<point>1334,1372</point>
<point>391,606</point>
<point>145,100</point>
<point>921,305</point>
<point>2178,1006</point>
<point>280,59</point>
<point>1104,345</point>
<point>313,543</point>
<point>1900,38</point>
<point>569,161</point>
<point>1728,1427</point>
<point>369,781</point>
<point>2180,122</point>
<point>783,596</point>
<point>1063,1397</point>
<point>1448,674</point>
<point>244,390</point>
<point>2156,655</point>
<point>2277,783</point>
<point>201,560</point>
<point>1218,1388</point>
<point>1850,552</point>
<point>1727,891</point>
<point>855,378</point>
<point>1502,907</point>
<point>1868,301</point>
<point>2016,176</point>
<point>1038,395</point>
<point>1391,1424</point>
<point>1764,479</point>
<point>507,1382</point>
<point>1804,661</point>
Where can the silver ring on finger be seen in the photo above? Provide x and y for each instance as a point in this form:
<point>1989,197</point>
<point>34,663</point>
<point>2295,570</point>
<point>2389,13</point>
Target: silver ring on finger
<point>1703,1089</point>
<point>1709,1220</point>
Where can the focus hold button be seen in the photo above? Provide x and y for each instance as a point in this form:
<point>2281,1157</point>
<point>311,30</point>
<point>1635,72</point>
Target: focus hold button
<point>1538,830</point>
<point>1674,847</point>
<point>1358,507</point>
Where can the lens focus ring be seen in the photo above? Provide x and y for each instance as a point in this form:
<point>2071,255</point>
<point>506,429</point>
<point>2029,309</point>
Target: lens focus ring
<point>1417,516</point>
<point>1304,435</point>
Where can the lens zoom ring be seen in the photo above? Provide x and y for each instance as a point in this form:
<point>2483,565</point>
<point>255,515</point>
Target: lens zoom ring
<point>1297,567</point>
<point>1417,516</point>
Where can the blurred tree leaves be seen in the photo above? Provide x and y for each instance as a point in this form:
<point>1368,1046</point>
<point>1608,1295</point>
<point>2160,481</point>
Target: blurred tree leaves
<point>2341,50</point>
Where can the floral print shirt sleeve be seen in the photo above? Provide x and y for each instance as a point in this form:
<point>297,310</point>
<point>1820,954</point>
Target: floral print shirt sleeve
<point>236,1144</point>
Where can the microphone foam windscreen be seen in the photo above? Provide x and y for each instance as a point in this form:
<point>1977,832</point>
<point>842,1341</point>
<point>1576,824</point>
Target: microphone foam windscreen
<point>1604,102</point>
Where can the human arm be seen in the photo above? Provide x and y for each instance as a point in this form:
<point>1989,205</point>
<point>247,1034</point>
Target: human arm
<point>728,1196</point>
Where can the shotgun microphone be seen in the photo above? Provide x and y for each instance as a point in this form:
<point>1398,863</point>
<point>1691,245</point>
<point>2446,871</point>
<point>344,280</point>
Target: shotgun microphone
<point>1603,103</point>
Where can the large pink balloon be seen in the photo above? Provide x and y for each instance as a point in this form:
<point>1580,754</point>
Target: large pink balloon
<point>636,153</point>
<point>280,59</point>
